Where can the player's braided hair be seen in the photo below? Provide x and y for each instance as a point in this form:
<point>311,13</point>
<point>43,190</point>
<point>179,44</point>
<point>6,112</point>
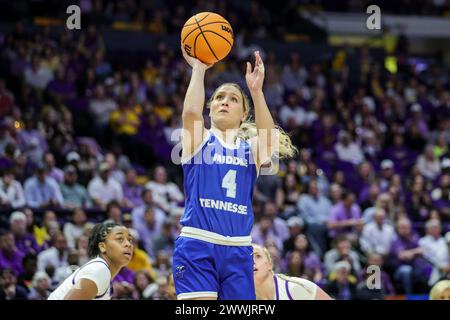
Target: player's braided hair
<point>99,234</point>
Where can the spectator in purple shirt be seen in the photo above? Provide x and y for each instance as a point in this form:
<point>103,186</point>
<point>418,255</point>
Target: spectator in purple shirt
<point>10,256</point>
<point>406,257</point>
<point>345,218</point>
<point>132,191</point>
<point>24,241</point>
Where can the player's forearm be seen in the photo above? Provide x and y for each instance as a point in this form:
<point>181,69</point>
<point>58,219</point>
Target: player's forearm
<point>263,118</point>
<point>195,95</point>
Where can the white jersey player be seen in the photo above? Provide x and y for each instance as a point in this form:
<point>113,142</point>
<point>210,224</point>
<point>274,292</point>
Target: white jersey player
<point>270,286</point>
<point>110,249</point>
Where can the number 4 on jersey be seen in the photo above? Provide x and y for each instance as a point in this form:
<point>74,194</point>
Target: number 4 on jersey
<point>229,183</point>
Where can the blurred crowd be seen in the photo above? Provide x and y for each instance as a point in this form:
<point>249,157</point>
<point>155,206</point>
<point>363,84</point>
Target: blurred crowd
<point>83,139</point>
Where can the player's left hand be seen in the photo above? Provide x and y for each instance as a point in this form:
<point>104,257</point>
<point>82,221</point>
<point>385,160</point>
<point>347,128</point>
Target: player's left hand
<point>255,78</point>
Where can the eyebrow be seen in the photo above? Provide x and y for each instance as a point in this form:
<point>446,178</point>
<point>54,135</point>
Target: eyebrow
<point>224,92</point>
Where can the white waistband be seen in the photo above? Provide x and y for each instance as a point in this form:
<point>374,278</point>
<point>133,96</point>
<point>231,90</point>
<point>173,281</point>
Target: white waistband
<point>215,238</point>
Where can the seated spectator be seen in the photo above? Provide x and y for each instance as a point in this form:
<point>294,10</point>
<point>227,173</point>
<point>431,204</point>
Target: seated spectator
<point>29,263</point>
<point>10,256</point>
<point>150,229</point>
<point>342,251</point>
<point>74,229</point>
<point>279,224</point>
<point>310,259</point>
<point>343,285</point>
<point>103,188</point>
<point>418,202</point>
<point>116,173</point>
<point>54,257</point>
<point>24,241</point>
<point>86,163</point>
<point>165,241</point>
<point>435,250</point>
<point>345,218</point>
<point>347,150</point>
<point>163,265</point>
<point>140,263</point>
<point>11,192</point>
<point>37,75</point>
<point>378,235</point>
<point>42,191</point>
<point>406,258</point>
<point>315,210</point>
<point>132,191</point>
<point>144,284</point>
<point>291,195</point>
<point>369,288</point>
<point>9,289</point>
<point>264,230</point>
<point>114,212</point>
<point>41,234</point>
<point>440,197</point>
<point>41,286</point>
<point>268,187</point>
<point>74,194</point>
<point>428,164</point>
<point>52,170</point>
<point>387,172</point>
<point>165,193</point>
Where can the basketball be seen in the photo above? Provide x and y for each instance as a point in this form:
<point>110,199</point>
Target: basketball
<point>208,37</point>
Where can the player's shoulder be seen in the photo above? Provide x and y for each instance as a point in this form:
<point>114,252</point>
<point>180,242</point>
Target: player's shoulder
<point>97,265</point>
<point>302,289</point>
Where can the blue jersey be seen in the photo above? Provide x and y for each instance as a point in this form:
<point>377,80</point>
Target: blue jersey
<point>218,183</point>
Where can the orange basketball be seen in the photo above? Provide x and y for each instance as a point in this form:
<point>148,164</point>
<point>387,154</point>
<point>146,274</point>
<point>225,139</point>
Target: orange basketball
<point>208,37</point>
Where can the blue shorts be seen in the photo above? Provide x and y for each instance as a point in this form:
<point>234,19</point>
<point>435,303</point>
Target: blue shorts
<point>202,269</point>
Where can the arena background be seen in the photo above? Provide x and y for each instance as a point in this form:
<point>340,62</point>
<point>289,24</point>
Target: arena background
<point>368,109</point>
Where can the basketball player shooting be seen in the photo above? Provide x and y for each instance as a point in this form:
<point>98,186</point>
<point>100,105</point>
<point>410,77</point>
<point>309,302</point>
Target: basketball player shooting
<point>213,254</point>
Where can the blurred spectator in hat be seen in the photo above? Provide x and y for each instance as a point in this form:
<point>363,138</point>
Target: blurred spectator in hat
<point>9,289</point>
<point>24,241</point>
<point>387,172</point>
<point>52,170</point>
<point>165,193</point>
<point>10,256</point>
<point>72,230</point>
<point>40,289</point>
<point>132,191</point>
<point>42,191</point>
<point>343,286</point>
<point>74,194</point>
<point>11,191</point>
<point>347,150</point>
<point>295,225</point>
<point>72,158</point>
<point>103,188</point>
<point>428,165</point>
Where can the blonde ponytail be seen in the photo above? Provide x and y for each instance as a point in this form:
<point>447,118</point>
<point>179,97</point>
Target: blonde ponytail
<point>285,149</point>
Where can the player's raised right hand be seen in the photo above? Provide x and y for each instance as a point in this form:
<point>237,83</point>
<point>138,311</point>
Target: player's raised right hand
<point>193,62</point>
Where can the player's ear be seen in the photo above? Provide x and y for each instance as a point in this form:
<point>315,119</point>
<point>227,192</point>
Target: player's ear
<point>102,247</point>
